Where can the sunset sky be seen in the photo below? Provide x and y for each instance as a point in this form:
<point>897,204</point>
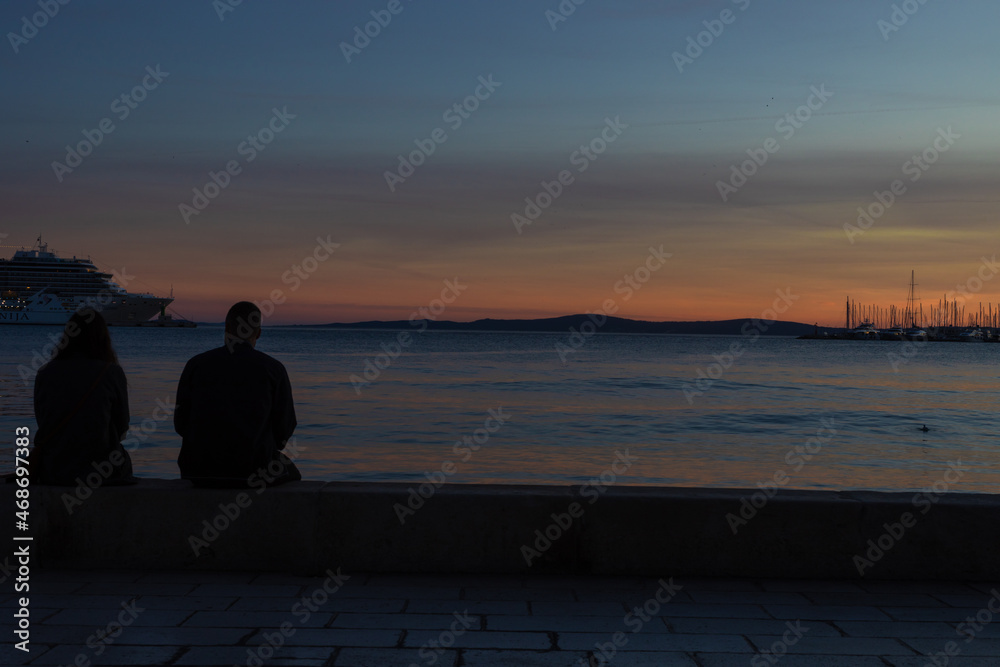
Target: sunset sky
<point>215,75</point>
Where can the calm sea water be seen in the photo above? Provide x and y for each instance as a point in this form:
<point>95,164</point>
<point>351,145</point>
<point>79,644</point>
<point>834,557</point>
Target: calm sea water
<point>565,421</point>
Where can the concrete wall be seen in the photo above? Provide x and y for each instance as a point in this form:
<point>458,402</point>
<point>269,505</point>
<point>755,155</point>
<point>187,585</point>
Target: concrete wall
<point>306,527</point>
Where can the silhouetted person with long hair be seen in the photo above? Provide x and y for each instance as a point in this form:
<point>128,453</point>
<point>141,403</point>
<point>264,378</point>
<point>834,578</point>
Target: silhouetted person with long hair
<point>234,411</point>
<point>81,405</point>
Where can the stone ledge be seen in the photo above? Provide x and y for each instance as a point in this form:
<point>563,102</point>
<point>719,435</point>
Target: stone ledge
<point>306,527</point>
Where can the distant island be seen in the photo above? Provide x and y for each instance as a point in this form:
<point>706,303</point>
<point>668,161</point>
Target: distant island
<point>616,325</point>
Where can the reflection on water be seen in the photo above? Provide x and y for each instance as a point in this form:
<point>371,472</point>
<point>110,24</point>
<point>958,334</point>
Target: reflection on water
<point>567,420</point>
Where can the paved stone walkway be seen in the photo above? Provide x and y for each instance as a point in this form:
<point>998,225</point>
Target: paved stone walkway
<point>199,618</point>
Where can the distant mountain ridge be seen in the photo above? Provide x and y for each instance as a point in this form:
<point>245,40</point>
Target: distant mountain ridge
<point>611,325</point>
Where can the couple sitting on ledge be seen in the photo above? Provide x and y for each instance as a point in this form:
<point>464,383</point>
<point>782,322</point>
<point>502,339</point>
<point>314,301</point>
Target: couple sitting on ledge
<point>233,412</point>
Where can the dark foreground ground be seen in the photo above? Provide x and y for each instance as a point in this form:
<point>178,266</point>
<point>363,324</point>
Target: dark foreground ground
<point>351,619</point>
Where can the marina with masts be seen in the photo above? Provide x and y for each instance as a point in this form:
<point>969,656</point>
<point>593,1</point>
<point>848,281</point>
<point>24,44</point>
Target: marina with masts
<point>949,320</point>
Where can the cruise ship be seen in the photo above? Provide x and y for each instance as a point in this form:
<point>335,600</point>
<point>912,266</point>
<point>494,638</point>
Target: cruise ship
<point>39,287</point>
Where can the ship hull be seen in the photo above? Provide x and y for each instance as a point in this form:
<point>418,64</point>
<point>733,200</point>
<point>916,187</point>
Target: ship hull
<point>129,311</point>
<point>135,310</point>
<point>15,316</point>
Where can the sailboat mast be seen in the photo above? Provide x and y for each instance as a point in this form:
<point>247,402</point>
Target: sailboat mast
<point>911,302</point>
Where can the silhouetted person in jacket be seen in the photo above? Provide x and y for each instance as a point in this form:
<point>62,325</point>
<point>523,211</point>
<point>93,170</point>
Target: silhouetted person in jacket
<point>234,411</point>
<point>81,406</point>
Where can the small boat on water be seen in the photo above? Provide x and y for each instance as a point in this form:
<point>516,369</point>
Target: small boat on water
<point>892,333</point>
<point>864,331</point>
<point>165,320</point>
<point>971,335</point>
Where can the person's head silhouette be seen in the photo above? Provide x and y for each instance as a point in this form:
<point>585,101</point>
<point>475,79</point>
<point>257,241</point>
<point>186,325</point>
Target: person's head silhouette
<point>242,324</point>
<point>86,336</point>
